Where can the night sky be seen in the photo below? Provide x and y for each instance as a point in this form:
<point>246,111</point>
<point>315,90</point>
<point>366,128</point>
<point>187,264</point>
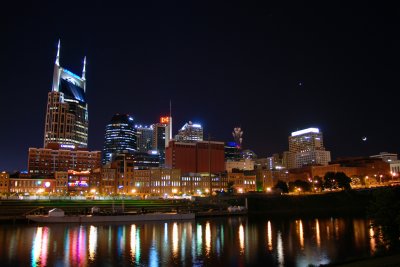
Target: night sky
<point>269,67</point>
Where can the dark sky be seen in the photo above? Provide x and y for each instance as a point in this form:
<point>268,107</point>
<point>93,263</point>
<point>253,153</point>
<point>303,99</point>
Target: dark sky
<point>269,67</point>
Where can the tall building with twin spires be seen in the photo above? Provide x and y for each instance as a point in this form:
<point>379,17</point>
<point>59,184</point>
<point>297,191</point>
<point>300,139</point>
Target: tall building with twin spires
<point>67,110</point>
<point>66,127</point>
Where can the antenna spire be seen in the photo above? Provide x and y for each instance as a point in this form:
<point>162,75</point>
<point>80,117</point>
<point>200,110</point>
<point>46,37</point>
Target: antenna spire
<point>84,69</point>
<point>170,119</point>
<point>58,53</point>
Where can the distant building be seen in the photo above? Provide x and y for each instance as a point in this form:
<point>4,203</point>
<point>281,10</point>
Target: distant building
<point>32,186</point>
<point>243,181</point>
<point>386,157</point>
<point>105,180</point>
<point>199,183</point>
<point>242,164</point>
<point>47,161</point>
<point>61,182</point>
<point>248,154</point>
<point>160,133</point>
<point>190,132</point>
<point>395,168</point>
<point>78,182</point>
<point>67,120</point>
<point>144,138</point>
<point>4,182</point>
<point>120,137</point>
<point>306,147</point>
<point>136,161</point>
<point>270,177</point>
<point>196,157</point>
<point>371,170</point>
<point>232,152</point>
<point>275,162</point>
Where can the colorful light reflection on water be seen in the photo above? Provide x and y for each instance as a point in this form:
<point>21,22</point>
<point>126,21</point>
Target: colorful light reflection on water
<point>220,241</point>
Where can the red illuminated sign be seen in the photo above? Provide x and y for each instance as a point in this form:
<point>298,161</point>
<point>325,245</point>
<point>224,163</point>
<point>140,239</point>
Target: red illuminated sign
<point>164,120</point>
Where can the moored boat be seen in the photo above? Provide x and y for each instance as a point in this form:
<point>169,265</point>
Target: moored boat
<point>58,216</point>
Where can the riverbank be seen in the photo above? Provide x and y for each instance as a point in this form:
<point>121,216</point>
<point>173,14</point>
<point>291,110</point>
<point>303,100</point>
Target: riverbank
<point>353,202</point>
<point>342,203</point>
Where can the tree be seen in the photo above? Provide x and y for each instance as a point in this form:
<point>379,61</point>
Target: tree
<point>329,180</point>
<point>343,181</point>
<point>303,185</point>
<point>334,180</point>
<point>282,186</point>
<point>318,183</point>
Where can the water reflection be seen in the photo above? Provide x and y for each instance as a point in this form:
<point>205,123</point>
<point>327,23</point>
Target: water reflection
<point>175,239</point>
<point>317,233</point>
<point>219,241</point>
<point>372,240</point>
<point>92,242</point>
<point>280,249</point>
<point>208,238</point>
<point>269,236</point>
<point>199,237</point>
<point>241,238</point>
<point>300,233</point>
<point>39,247</point>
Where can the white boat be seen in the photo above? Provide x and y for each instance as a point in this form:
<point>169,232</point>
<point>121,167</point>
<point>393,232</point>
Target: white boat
<point>57,216</point>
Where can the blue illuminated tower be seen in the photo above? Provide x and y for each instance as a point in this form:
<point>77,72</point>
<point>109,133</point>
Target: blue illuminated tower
<point>120,137</point>
<point>67,110</point>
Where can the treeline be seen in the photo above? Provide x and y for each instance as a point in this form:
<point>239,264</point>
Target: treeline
<point>331,181</point>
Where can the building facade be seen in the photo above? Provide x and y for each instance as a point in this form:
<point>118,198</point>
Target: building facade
<point>196,157</point>
<point>243,164</point>
<point>120,137</point>
<point>144,138</point>
<point>4,182</point>
<point>32,186</point>
<point>47,161</point>
<point>243,181</point>
<point>386,157</point>
<point>67,120</point>
<point>160,134</point>
<point>232,151</point>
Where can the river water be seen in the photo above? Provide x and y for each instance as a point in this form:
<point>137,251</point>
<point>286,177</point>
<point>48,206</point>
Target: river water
<point>233,241</point>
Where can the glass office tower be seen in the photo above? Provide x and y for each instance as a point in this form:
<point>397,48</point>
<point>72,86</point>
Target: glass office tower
<point>120,137</point>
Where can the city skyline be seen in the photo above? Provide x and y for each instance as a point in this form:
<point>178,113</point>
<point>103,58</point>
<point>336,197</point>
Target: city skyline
<point>269,69</point>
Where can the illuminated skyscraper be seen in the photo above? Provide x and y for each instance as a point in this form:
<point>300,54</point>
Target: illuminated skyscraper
<point>190,133</point>
<point>306,147</point>
<point>67,110</point>
<point>120,137</point>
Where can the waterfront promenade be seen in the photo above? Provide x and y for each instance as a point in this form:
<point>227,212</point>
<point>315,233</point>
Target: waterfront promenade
<point>341,202</point>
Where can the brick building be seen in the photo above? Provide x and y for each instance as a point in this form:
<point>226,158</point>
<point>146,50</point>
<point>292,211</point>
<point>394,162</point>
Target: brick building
<point>196,157</point>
